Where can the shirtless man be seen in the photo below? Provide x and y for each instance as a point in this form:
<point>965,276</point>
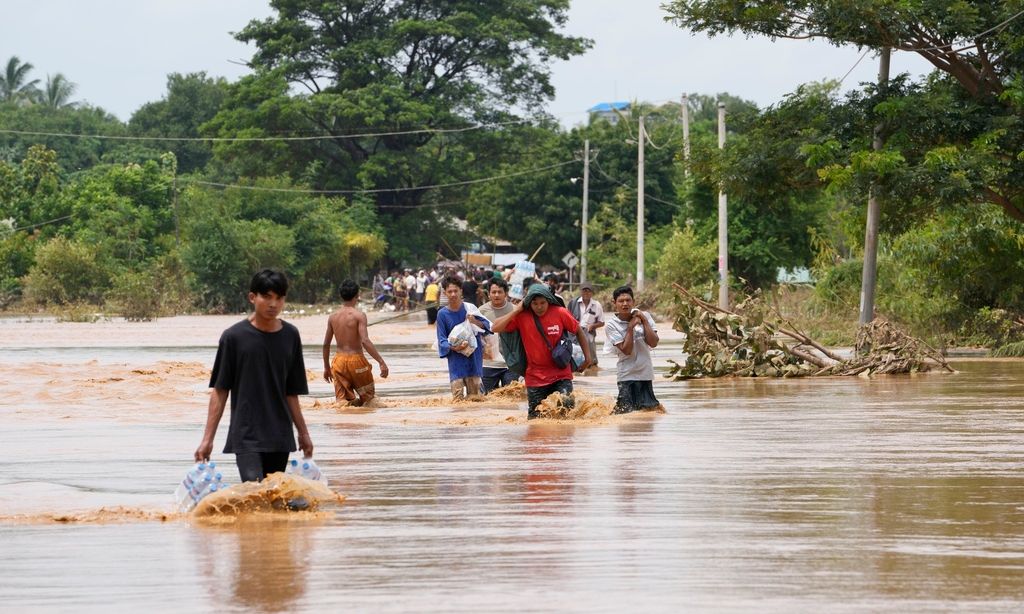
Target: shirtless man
<point>350,371</point>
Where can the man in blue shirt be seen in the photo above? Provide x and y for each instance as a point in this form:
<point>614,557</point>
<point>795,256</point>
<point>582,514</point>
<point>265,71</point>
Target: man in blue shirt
<point>465,372</point>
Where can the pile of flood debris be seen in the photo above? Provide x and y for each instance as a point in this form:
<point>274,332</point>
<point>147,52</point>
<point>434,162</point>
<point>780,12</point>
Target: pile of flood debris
<point>754,340</point>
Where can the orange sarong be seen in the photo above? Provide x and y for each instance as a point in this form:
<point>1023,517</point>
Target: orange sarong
<point>353,378</point>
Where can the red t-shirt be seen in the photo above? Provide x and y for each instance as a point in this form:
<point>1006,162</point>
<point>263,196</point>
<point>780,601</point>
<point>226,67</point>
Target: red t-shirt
<point>540,369</point>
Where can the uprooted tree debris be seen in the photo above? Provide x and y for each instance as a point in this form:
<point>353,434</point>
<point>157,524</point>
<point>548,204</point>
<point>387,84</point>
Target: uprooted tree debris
<point>754,340</point>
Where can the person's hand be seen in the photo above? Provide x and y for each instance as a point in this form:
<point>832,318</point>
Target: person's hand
<point>592,328</point>
<point>203,451</point>
<point>461,345</point>
<point>306,445</point>
<point>586,364</point>
<point>383,370</point>
<point>472,320</point>
<point>328,376</point>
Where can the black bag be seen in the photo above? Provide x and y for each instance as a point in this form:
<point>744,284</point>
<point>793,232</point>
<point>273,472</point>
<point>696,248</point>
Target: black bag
<point>561,352</point>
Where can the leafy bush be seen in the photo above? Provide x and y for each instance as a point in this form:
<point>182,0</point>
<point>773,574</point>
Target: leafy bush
<point>136,295</point>
<point>687,261</point>
<point>16,256</point>
<point>66,272</point>
<point>223,253</point>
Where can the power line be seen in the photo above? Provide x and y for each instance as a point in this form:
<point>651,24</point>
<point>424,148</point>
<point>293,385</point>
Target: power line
<point>243,139</point>
<point>626,185</point>
<point>380,190</point>
<point>59,219</point>
<point>855,64</point>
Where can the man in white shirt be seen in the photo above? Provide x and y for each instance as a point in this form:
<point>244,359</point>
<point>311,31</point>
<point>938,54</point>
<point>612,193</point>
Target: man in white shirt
<point>589,314</point>
<point>496,372</point>
<point>630,335</point>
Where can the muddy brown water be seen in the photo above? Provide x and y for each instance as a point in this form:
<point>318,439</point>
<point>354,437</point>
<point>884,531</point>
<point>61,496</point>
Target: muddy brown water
<point>839,494</point>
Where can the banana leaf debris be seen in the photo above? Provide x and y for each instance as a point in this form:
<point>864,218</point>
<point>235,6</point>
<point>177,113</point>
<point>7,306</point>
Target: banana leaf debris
<point>753,340</point>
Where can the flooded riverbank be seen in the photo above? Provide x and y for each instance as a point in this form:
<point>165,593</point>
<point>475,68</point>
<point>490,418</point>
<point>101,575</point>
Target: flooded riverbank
<point>838,494</point>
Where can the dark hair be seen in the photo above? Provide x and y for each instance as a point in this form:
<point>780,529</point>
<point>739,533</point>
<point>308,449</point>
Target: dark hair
<point>349,290</point>
<point>529,281</point>
<point>449,280</point>
<point>551,277</point>
<point>269,280</point>
<point>622,290</point>
<point>501,283</point>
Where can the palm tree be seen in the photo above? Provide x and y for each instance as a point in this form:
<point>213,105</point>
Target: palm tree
<point>13,84</point>
<point>58,92</point>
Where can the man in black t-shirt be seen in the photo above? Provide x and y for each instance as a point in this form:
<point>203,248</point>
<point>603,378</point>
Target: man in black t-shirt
<point>259,363</point>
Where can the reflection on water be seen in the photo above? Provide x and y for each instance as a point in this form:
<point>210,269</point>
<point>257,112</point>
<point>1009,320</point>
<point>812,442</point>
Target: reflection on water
<point>260,566</point>
<point>838,494</point>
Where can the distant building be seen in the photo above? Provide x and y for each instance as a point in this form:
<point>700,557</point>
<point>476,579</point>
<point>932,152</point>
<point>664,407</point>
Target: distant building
<point>608,111</point>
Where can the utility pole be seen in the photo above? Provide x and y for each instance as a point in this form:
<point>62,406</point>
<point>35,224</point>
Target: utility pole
<point>685,109</point>
<point>586,190</point>
<point>869,273</point>
<point>641,136</point>
<point>723,224</point>
<point>174,192</point>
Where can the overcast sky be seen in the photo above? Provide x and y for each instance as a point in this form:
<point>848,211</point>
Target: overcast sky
<point>119,52</point>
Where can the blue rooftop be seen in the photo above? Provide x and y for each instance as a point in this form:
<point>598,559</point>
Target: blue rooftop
<point>604,107</point>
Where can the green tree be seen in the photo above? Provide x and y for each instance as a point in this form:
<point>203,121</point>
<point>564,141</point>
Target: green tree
<point>58,92</point>
<point>29,190</point>
<point>73,154</point>
<point>192,100</point>
<point>977,162</point>
<point>14,83</point>
<point>389,66</point>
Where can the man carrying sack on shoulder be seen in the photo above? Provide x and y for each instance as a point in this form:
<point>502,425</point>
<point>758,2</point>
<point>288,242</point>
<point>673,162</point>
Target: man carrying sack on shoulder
<point>541,320</point>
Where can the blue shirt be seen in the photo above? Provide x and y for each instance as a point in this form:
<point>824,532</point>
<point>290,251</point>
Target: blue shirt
<point>459,366</point>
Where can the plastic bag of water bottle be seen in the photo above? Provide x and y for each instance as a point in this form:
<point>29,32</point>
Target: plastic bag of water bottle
<point>201,480</point>
<point>306,468</point>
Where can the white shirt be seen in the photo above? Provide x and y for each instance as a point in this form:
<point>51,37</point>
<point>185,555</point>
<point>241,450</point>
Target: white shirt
<point>590,313</point>
<point>636,366</point>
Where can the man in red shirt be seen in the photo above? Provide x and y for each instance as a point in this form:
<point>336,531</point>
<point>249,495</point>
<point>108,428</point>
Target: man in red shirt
<point>545,313</point>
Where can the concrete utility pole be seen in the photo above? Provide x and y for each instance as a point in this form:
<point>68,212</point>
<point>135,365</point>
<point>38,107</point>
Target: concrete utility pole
<point>586,190</point>
<point>723,224</point>
<point>869,273</point>
<point>685,110</point>
<point>641,136</point>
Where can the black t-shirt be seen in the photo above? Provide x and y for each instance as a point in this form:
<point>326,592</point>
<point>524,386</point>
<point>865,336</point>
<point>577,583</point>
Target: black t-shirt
<point>260,369</point>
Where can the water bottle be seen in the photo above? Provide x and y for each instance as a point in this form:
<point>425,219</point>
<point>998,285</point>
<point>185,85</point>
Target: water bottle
<point>310,471</point>
<point>182,493</point>
<point>307,468</point>
<point>201,480</point>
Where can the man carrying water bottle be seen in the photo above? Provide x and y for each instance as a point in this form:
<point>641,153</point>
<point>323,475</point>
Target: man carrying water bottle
<point>259,365</point>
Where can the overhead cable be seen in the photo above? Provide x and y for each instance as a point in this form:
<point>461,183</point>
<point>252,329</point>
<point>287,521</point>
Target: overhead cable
<point>244,139</point>
<point>380,190</point>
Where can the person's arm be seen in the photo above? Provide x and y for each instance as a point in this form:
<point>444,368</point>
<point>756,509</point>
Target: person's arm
<point>327,352</point>
<point>501,324</point>
<point>305,443</point>
<point>218,399</point>
<point>371,349</point>
<point>650,335</point>
<point>581,338</point>
<point>626,345</point>
<point>443,347</point>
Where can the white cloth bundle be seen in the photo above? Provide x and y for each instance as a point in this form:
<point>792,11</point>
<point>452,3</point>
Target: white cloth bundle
<point>464,331</point>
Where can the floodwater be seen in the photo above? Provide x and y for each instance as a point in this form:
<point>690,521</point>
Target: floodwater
<point>900,493</point>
